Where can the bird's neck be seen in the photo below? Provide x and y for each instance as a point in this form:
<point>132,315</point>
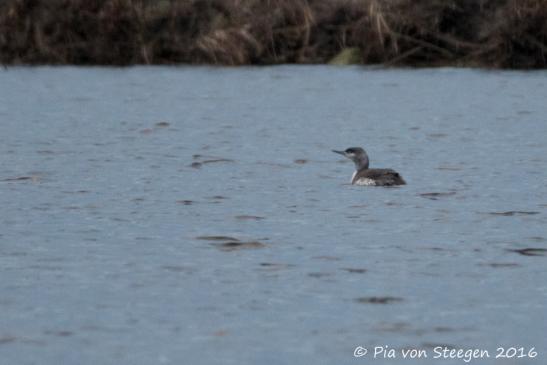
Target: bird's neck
<point>361,163</point>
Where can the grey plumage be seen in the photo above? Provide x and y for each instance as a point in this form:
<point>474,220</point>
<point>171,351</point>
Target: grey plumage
<point>365,176</point>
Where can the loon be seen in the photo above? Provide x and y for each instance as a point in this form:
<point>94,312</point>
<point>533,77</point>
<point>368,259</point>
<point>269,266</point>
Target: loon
<point>371,177</point>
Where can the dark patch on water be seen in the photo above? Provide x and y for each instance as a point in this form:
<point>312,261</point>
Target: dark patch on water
<point>435,248</point>
<point>7,339</point>
<point>442,329</point>
<point>449,168</point>
<point>378,300</point>
<point>437,195</point>
<point>272,266</point>
<point>216,160</point>
<point>530,251</point>
<point>249,217</point>
<point>216,238</point>
<point>217,197</point>
<point>185,202</point>
<point>354,270</point>
<point>61,333</point>
<point>104,329</point>
<point>209,158</point>
<point>327,258</point>
<point>319,274</point>
<point>162,124</point>
<point>238,245</point>
<point>10,339</point>
<point>512,213</point>
<point>177,268</point>
<point>46,267</point>
<point>51,259</point>
<point>118,219</point>
<point>500,264</point>
<point>301,161</point>
<point>437,135</point>
<point>22,178</point>
<point>353,216</point>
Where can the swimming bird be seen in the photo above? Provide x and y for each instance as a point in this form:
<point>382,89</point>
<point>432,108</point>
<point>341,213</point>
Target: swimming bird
<point>371,177</point>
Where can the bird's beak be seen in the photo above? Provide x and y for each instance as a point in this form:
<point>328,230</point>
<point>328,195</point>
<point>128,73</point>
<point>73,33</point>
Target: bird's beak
<point>340,152</point>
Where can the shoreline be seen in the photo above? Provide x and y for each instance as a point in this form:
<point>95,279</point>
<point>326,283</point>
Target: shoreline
<point>487,34</point>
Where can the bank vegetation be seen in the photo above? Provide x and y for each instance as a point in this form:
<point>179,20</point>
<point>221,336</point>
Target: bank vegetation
<point>477,33</point>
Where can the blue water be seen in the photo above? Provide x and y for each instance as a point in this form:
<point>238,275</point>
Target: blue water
<point>110,179</point>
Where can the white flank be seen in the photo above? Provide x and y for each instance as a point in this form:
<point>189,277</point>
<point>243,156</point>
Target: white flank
<point>365,182</point>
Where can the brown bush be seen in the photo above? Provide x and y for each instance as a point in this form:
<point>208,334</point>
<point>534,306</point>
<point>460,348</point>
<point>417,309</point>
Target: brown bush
<point>485,33</point>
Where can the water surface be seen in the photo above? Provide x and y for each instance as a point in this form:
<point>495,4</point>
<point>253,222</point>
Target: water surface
<point>116,183</point>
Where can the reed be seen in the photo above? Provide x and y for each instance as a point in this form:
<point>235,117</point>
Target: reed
<point>483,33</point>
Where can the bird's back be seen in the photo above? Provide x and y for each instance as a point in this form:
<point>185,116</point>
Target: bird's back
<point>378,177</point>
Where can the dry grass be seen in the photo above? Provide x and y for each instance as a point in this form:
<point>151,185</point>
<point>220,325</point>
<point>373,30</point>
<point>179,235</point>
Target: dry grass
<point>484,33</point>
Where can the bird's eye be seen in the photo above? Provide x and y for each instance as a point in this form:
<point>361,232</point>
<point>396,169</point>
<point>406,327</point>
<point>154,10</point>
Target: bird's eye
<point>349,150</point>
